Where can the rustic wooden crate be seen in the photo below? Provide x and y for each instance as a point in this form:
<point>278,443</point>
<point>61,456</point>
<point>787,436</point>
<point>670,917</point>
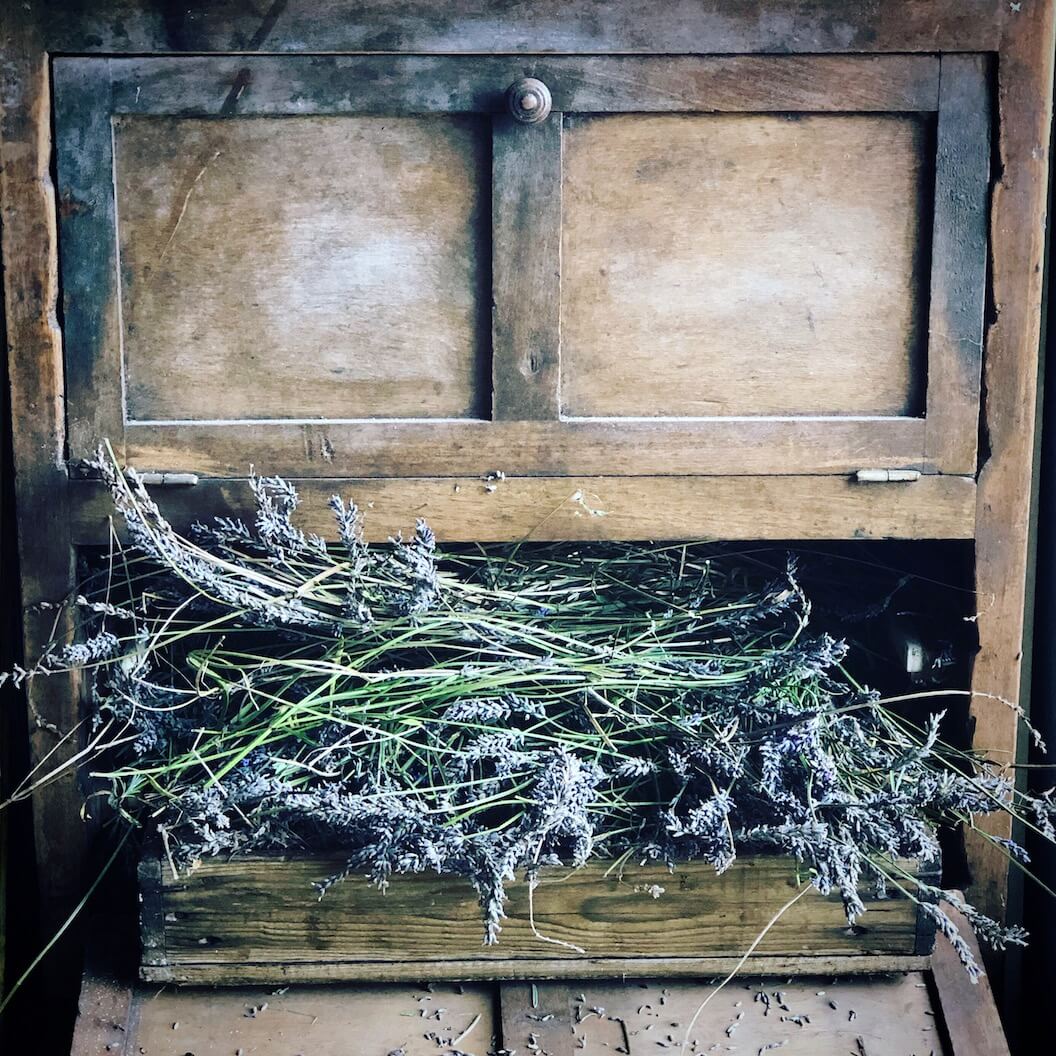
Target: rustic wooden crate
<point>257,920</point>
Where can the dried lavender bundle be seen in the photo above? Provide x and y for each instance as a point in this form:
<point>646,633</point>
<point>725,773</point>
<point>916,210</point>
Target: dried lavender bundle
<point>485,713</point>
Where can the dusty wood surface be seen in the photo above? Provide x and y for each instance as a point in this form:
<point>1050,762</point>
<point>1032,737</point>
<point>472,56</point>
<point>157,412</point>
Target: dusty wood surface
<point>820,1016</point>
<point>330,1021</point>
<point>476,509</point>
<point>106,1010</point>
<point>267,275</point>
<point>969,1011</point>
<point>743,265</point>
<point>289,84</point>
<point>959,256</point>
<point>890,1015</point>
<point>526,268</point>
<point>713,447</point>
<point>35,371</point>
<point>224,915</point>
<point>544,26</point>
<point>1017,232</point>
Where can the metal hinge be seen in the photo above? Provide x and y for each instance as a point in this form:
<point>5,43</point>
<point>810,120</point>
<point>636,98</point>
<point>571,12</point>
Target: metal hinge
<point>887,476</point>
<point>169,480</point>
<point>83,470</point>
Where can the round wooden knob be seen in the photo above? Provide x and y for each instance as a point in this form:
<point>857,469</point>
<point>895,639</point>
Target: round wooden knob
<point>529,100</point>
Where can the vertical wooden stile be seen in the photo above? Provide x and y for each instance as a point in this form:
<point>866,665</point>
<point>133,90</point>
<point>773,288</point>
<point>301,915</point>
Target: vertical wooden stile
<point>958,277</point>
<point>87,222</point>
<point>526,269</point>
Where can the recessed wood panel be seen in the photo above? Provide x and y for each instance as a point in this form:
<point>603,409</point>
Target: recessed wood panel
<point>755,264</point>
<point>304,267</point>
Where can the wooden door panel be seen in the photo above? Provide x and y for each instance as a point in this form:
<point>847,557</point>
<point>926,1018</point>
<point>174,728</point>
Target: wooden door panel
<point>362,266</point>
<point>719,265</point>
<point>303,267</point>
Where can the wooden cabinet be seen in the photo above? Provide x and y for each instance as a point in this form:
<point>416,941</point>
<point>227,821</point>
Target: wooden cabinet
<point>754,248</point>
<point>368,266</point>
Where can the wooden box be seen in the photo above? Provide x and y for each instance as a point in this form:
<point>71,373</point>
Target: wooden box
<point>259,920</point>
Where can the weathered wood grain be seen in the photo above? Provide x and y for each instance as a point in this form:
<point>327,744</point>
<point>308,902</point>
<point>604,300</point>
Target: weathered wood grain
<point>1010,386</point>
<point>673,26</point>
<point>713,447</point>
<point>87,222</point>
<point>286,267</point>
<point>475,970</point>
<point>959,262</point>
<point>897,1013</point>
<point>526,269</point>
<point>743,265</point>
<point>227,914</point>
<point>35,375</point>
<point>547,508</point>
<point>106,1008</point>
<point>969,1012</point>
<point>331,84</point>
<point>891,1015</point>
<point>322,1021</point>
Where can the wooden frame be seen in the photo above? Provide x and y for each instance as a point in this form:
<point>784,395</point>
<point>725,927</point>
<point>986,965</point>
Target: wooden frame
<point>471,509</point>
<point>526,427</point>
<point>1018,36</point>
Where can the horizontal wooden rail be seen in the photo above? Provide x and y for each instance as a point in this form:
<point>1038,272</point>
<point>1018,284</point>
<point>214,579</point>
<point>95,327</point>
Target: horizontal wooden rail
<point>484,509</point>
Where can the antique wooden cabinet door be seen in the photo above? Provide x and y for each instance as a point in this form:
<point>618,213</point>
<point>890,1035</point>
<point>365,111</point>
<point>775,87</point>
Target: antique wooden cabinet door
<point>383,266</point>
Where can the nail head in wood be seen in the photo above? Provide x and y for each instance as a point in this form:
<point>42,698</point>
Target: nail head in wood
<point>529,100</point>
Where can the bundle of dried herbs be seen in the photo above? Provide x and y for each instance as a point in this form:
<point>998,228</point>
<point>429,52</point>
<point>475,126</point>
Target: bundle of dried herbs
<point>487,712</point>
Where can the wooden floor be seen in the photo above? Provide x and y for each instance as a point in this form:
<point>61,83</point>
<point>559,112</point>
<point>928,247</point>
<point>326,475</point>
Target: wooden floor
<point>893,1015</point>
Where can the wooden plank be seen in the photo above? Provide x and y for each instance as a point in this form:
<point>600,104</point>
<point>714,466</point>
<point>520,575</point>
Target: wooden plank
<point>105,1014</point>
<point>151,910</point>
<point>90,284</point>
<point>616,446</point>
<point>959,256</point>
<point>414,1020</point>
<point>708,265</point>
<point>969,1012</point>
<point>799,1017</point>
<point>343,84</point>
<point>526,269</point>
<point>263,280</point>
<point>328,972</point>
<point>1017,234</point>
<point>35,373</point>
<point>225,915</point>
<point>547,508</point>
<point>715,26</point>
<point>272,973</point>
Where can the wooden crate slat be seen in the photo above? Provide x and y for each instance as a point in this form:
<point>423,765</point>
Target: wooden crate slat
<point>256,918</point>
